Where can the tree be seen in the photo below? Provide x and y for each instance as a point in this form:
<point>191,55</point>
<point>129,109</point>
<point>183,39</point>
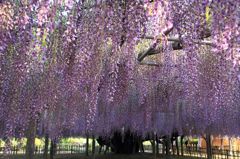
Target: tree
<point>76,60</point>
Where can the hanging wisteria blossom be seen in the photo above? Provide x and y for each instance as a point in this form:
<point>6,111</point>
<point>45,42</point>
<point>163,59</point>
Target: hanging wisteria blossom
<point>78,67</point>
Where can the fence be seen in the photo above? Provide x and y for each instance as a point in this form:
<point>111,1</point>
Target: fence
<point>61,149</point>
<point>192,151</point>
<point>195,151</point>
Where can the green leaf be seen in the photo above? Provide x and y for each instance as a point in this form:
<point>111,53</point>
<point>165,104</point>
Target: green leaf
<point>208,15</point>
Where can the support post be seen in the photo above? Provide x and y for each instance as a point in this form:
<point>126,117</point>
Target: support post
<point>93,146</point>
<point>153,146</point>
<point>53,148</point>
<point>87,144</point>
<point>45,154</point>
<point>181,142</point>
<point>177,146</point>
<point>157,147</point>
<point>153,143</point>
<point>209,146</point>
<point>167,145</point>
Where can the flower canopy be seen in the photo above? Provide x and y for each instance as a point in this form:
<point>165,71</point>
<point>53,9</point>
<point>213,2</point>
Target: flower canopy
<point>96,66</point>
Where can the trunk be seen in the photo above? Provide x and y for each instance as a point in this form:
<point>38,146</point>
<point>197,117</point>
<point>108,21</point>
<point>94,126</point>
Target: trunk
<point>177,146</point>
<point>209,147</point>
<point>45,154</point>
<point>181,145</point>
<point>106,150</point>
<point>31,133</point>
<point>100,150</point>
<point>153,146</point>
<point>166,146</point>
<point>173,150</point>
<point>141,145</point>
<point>87,144</point>
<point>124,145</point>
<point>51,150</point>
<point>134,147</point>
<point>153,143</point>
<point>93,145</point>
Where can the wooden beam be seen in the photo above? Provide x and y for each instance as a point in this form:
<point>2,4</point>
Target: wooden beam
<point>150,63</point>
<point>201,42</point>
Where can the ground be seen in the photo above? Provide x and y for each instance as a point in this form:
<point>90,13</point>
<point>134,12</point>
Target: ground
<point>108,156</point>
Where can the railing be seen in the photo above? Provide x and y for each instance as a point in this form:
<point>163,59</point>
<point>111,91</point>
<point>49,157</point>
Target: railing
<point>66,149</point>
<point>61,149</point>
<point>193,151</point>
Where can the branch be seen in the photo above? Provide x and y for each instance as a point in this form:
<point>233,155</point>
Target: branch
<point>152,50</point>
<point>153,47</point>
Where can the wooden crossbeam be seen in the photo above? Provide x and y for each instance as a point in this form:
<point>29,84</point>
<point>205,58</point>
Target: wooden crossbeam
<point>150,63</point>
